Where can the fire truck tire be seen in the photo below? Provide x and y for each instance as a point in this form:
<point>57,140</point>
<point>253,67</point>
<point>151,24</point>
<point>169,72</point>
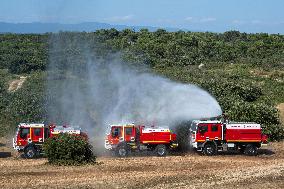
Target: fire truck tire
<point>242,149</point>
<point>122,151</point>
<point>161,150</point>
<point>250,150</point>
<point>30,152</point>
<point>210,149</point>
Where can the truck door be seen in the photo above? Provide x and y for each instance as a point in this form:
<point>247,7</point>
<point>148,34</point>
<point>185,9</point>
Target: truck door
<point>215,131</point>
<point>202,133</point>
<point>129,134</point>
<point>37,134</point>
<point>115,134</point>
<point>23,135</point>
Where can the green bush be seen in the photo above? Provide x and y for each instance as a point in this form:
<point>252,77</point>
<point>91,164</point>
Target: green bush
<point>274,132</point>
<point>66,149</point>
<point>254,112</point>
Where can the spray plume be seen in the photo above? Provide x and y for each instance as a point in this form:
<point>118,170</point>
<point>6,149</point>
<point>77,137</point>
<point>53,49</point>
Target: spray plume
<point>93,92</point>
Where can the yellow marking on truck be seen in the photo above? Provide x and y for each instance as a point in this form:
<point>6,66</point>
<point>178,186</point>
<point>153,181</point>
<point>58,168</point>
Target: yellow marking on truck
<point>152,141</point>
<point>122,134</point>
<point>200,140</point>
<point>243,140</point>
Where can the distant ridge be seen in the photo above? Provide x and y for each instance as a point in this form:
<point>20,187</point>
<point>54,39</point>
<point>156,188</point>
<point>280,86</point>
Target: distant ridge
<point>38,27</point>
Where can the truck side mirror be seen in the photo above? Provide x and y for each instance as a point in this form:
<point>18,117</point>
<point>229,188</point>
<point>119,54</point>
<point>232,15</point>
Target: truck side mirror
<point>114,133</point>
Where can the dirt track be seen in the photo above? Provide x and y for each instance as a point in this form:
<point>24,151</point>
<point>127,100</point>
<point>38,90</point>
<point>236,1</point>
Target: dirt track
<point>180,171</point>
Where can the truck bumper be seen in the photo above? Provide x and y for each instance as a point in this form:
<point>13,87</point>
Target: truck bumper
<point>108,146</point>
<point>16,147</point>
<point>194,144</point>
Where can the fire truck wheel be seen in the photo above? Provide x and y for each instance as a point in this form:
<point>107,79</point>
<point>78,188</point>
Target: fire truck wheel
<point>251,150</point>
<point>209,149</point>
<point>122,151</point>
<point>242,149</point>
<point>30,152</point>
<point>161,150</point>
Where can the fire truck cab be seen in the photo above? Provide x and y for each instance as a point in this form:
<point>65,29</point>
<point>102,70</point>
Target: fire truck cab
<point>122,139</point>
<point>30,136</point>
<point>213,136</point>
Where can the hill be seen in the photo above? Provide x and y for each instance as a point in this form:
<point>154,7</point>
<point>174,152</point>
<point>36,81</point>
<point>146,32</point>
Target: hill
<point>244,72</point>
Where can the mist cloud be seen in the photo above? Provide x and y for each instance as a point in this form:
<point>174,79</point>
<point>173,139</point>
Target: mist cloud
<point>93,92</point>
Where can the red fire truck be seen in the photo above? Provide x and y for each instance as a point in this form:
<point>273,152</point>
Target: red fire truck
<point>210,137</point>
<point>30,136</point>
<point>123,139</point>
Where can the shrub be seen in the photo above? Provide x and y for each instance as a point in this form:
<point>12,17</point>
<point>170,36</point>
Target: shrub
<point>274,132</point>
<point>20,65</point>
<point>182,131</point>
<point>254,112</point>
<point>66,149</point>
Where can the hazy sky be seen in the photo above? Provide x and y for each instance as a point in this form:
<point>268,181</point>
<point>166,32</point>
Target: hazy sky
<point>205,15</point>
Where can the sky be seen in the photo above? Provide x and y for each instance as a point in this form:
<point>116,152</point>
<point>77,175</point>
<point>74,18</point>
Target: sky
<point>251,16</point>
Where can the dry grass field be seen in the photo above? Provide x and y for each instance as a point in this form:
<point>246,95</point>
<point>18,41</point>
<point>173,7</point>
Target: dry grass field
<point>176,171</point>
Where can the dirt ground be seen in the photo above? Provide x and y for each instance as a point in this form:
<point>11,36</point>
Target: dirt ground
<point>175,171</point>
<point>16,84</point>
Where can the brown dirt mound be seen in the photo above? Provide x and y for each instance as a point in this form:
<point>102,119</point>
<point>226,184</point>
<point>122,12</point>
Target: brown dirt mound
<point>16,84</point>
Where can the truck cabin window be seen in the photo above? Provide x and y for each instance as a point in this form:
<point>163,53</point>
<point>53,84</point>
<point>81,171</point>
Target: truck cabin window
<point>37,131</point>
<point>214,128</point>
<point>115,132</point>
<point>128,130</point>
<point>24,132</point>
<point>202,128</point>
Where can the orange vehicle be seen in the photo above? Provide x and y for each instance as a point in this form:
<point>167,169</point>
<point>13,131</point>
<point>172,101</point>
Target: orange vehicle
<point>123,139</point>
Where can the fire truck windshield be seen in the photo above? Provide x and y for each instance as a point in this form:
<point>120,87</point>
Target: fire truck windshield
<point>202,128</point>
<point>128,130</point>
<point>115,132</point>
<point>24,132</point>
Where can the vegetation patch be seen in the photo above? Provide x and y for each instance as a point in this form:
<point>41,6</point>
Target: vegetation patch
<point>67,149</point>
<point>244,72</point>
